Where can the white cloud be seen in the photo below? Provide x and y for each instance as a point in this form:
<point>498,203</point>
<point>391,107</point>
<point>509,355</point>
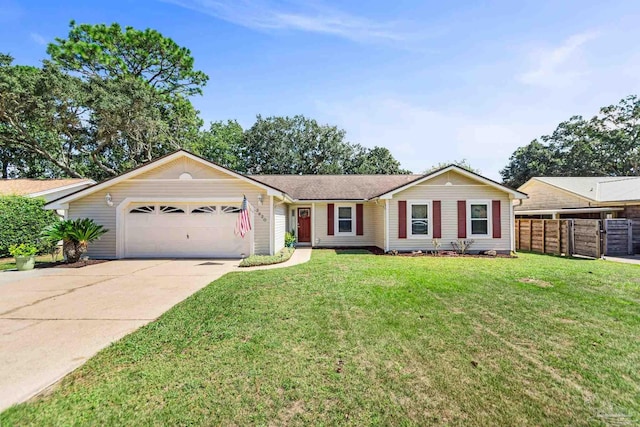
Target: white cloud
<point>560,65</point>
<point>266,15</point>
<point>38,38</point>
<point>420,137</point>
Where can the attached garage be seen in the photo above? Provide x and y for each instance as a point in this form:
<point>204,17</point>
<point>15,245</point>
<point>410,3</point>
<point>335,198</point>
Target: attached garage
<point>183,230</point>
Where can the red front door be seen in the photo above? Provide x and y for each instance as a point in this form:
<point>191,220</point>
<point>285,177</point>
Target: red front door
<point>304,225</point>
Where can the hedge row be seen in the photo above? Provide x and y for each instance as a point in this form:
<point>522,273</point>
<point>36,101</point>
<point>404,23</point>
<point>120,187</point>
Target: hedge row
<point>22,219</point>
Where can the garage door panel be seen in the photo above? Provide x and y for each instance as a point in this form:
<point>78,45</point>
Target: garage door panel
<point>161,234</point>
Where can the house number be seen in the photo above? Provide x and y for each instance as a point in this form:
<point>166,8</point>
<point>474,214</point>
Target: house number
<point>257,211</point>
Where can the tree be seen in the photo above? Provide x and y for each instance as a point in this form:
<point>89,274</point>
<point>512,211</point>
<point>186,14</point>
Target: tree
<point>39,116</point>
<point>109,100</point>
<point>108,52</point>
<point>299,145</point>
<point>374,161</point>
<point>464,164</point>
<point>620,137</point>
<point>534,159</point>
<point>220,144</point>
<point>293,145</point>
<point>607,144</point>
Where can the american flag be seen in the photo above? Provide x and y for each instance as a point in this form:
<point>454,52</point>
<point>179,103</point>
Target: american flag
<point>243,224</point>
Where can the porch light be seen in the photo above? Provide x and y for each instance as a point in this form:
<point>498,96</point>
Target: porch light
<point>260,199</point>
<point>108,199</point>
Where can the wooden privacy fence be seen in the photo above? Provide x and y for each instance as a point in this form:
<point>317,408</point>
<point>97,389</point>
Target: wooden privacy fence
<point>619,237</point>
<point>587,237</point>
<point>545,236</point>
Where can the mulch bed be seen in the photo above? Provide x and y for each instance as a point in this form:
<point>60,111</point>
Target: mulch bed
<point>62,264</point>
<point>446,254</point>
<point>377,251</point>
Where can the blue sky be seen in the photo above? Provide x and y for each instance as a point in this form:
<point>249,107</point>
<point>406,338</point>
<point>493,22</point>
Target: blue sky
<point>431,80</point>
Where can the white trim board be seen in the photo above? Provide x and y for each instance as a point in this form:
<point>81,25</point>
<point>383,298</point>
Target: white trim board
<point>65,187</point>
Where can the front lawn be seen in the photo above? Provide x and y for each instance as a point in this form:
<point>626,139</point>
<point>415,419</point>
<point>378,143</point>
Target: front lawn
<point>358,339</point>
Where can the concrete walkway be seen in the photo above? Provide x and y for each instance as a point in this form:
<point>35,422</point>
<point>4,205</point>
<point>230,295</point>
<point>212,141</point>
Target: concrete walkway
<point>629,259</point>
<point>53,320</point>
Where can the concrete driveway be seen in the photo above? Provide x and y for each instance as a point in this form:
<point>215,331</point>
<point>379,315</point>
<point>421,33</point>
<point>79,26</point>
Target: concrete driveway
<point>53,320</point>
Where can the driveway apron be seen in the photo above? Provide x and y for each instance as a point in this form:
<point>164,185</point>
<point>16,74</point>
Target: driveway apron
<point>53,320</point>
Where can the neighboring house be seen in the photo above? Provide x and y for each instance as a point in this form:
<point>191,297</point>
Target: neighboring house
<point>580,197</point>
<point>600,197</point>
<point>184,206</point>
<point>48,189</point>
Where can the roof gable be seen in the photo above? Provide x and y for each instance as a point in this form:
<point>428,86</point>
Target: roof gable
<point>453,168</point>
<point>151,166</point>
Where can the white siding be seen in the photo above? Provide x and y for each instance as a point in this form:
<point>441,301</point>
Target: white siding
<point>461,188</point>
<point>280,221</point>
<point>94,206</point>
<point>174,169</point>
<point>377,217</point>
<point>373,218</point>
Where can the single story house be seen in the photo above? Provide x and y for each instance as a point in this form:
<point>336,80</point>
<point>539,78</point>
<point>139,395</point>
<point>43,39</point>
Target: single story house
<point>182,205</point>
<point>598,197</point>
<point>48,189</point>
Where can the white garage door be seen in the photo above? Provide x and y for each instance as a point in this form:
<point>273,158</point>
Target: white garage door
<point>183,231</point>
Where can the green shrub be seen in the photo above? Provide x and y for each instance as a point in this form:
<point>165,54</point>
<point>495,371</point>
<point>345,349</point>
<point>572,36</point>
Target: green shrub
<point>23,249</point>
<point>256,260</point>
<point>22,219</point>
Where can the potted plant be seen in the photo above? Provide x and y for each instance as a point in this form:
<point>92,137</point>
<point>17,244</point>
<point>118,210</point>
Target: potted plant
<point>25,255</point>
<point>289,240</point>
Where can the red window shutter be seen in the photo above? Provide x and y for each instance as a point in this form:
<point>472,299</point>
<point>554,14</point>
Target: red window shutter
<point>462,219</point>
<point>437,219</point>
<point>495,219</point>
<point>359,219</point>
<point>330,225</point>
<point>402,219</point>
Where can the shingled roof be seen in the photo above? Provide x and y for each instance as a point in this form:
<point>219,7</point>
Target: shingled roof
<point>335,187</point>
<point>23,187</point>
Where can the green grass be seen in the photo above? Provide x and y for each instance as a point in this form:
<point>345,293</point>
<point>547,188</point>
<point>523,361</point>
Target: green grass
<point>357,339</point>
<point>10,264</point>
<point>256,260</point>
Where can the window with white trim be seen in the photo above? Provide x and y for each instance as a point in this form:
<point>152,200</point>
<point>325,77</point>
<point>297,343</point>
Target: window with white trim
<point>209,209</point>
<point>418,218</point>
<point>479,218</point>
<point>143,210</point>
<point>165,209</point>
<point>345,219</point>
<point>230,209</point>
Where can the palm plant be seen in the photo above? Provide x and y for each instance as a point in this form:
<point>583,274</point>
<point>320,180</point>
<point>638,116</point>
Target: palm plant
<point>75,235</point>
<point>61,231</point>
<point>84,231</point>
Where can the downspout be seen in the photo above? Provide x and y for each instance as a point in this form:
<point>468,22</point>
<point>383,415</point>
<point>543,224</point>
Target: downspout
<point>386,225</point>
<point>272,225</point>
